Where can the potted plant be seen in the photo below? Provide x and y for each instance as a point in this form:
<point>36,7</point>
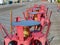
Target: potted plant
<point>58,1</point>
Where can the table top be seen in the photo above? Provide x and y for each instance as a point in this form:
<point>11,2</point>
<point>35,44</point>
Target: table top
<point>36,8</point>
<point>33,12</point>
<point>25,23</point>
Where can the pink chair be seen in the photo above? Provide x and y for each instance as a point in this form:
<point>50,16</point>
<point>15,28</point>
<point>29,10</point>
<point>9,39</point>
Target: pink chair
<point>35,5</point>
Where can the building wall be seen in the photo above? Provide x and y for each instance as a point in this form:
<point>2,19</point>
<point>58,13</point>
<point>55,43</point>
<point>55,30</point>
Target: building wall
<point>14,0</point>
<point>44,0</point>
<point>6,1</point>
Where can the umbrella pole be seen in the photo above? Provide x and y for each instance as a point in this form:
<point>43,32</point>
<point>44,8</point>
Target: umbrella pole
<point>11,21</point>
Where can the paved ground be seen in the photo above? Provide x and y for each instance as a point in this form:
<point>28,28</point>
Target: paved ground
<point>55,27</point>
